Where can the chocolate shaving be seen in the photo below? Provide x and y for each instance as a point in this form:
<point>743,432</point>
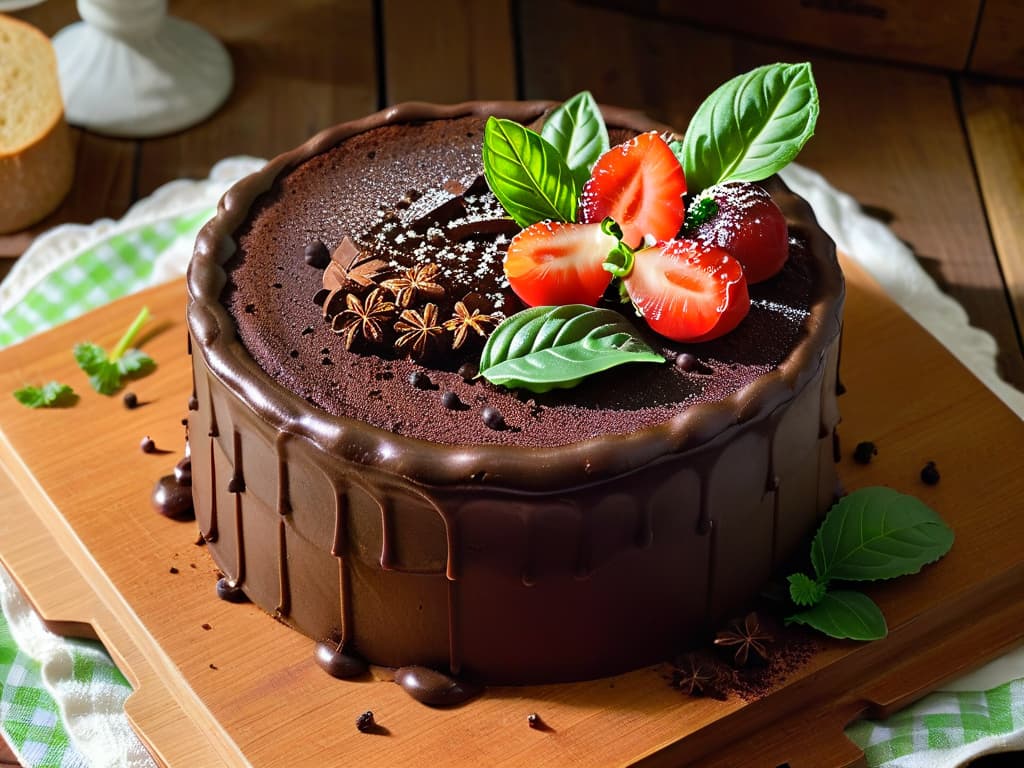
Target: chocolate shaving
<point>478,187</point>
<point>352,268</point>
<point>482,228</point>
<point>449,210</point>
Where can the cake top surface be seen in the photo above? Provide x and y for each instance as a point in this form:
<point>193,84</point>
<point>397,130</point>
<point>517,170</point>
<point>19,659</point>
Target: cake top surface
<point>379,188</point>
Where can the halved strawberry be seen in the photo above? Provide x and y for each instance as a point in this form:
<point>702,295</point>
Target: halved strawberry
<point>555,263</point>
<point>688,291</point>
<point>640,184</point>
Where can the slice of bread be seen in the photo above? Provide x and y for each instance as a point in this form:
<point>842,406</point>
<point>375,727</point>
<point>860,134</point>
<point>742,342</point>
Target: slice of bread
<point>36,152</point>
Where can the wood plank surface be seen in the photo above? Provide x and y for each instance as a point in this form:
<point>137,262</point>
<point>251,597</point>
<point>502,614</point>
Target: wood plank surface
<point>256,677</point>
<point>891,137</point>
<point>999,47</point>
<point>447,51</point>
<point>994,115</point>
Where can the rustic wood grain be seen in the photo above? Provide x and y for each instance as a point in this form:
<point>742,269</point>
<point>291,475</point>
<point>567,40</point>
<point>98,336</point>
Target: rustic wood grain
<point>447,51</point>
<point>889,136</point>
<point>908,31</point>
<point>999,48</point>
<point>255,678</point>
<point>299,67</point>
<point>994,115</point>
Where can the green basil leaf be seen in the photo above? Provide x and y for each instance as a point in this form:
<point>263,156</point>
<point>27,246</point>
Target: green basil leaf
<point>544,348</point>
<point>577,130</point>
<point>751,127</point>
<point>803,590</point>
<point>527,174</point>
<point>844,615</point>
<point>878,533</point>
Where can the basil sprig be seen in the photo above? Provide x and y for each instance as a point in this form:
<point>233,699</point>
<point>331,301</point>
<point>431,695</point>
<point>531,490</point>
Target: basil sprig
<point>750,127</point>
<point>577,130</point>
<point>527,175</point>
<point>545,348</point>
<point>871,534</point>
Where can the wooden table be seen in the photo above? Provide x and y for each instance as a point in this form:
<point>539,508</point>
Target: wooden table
<point>938,156</point>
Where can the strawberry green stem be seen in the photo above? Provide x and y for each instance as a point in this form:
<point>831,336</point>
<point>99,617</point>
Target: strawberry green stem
<point>620,258</point>
<point>129,335</point>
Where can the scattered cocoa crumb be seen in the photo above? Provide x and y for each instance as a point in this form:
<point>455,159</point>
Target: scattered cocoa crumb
<point>864,452</point>
<point>130,400</point>
<point>365,722</point>
<point>213,666</point>
<point>207,627</point>
<point>930,474</point>
<point>172,569</point>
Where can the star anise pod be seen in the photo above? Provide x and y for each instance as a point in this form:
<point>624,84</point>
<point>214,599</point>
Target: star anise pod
<point>465,320</point>
<point>418,330</point>
<point>692,677</point>
<point>415,283</point>
<point>363,317</point>
<point>746,636</point>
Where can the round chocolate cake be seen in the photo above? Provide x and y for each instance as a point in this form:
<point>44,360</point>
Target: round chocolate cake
<point>413,513</point>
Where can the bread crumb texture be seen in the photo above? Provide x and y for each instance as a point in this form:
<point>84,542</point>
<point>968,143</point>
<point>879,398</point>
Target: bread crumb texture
<point>36,157</point>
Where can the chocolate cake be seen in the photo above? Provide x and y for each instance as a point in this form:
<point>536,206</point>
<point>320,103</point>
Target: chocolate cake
<point>412,513</point>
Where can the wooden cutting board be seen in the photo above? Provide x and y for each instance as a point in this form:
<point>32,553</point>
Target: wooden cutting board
<point>222,684</point>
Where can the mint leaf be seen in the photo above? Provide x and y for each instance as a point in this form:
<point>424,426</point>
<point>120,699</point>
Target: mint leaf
<point>803,590</point>
<point>878,533</point>
<point>527,174</point>
<point>544,348</point>
<point>135,362</point>
<point>844,615</point>
<point>751,126</point>
<point>107,371</point>
<point>577,130</point>
<point>53,394</point>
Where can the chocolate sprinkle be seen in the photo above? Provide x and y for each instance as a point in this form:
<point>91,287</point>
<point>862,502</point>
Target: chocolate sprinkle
<point>365,722</point>
<point>317,255</point>
<point>930,474</point>
<point>130,400</point>
<point>864,452</point>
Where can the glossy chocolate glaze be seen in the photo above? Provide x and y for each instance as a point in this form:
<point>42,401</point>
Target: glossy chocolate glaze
<point>503,563</point>
<point>430,687</point>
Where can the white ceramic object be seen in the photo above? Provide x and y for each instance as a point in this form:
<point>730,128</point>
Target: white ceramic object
<point>130,70</point>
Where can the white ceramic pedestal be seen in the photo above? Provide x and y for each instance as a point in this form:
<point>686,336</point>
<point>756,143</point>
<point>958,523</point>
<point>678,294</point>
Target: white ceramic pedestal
<point>128,69</point>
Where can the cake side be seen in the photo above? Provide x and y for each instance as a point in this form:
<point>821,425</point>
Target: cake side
<point>504,563</point>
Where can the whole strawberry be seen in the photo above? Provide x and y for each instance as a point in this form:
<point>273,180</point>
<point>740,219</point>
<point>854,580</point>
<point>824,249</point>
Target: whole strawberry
<point>749,225</point>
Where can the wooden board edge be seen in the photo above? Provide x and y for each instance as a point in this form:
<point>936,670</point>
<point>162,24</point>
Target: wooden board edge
<point>166,714</point>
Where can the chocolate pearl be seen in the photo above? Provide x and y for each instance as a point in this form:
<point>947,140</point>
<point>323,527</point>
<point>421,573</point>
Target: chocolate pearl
<point>365,722</point>
<point>419,379</point>
<point>450,400</point>
<point>534,720</point>
<point>930,474</point>
<point>468,372</point>
<point>130,400</point>
<point>686,362</point>
<point>316,255</point>
<point>492,417</point>
<point>146,445</point>
<point>864,452</point>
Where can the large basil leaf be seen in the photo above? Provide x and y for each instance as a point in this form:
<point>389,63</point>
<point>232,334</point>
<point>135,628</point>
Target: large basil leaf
<point>751,127</point>
<point>544,348</point>
<point>878,533</point>
<point>844,615</point>
<point>527,174</point>
<point>577,130</point>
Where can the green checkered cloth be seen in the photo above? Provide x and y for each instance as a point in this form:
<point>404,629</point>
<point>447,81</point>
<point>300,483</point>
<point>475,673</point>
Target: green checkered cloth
<point>29,717</point>
<point>97,276</point>
<point>942,727</point>
<point>932,732</point>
